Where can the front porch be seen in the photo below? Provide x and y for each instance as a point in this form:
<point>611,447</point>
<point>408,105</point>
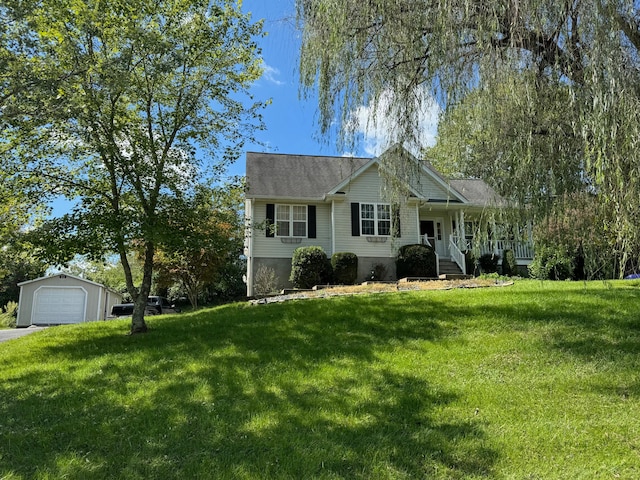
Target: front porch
<point>451,235</point>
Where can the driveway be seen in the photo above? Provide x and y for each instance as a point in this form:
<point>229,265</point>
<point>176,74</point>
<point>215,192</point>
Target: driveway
<point>10,334</point>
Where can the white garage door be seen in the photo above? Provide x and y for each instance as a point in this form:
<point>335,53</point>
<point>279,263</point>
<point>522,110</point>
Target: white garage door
<point>53,305</point>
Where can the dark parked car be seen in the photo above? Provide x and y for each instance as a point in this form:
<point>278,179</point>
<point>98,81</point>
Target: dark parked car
<point>155,306</point>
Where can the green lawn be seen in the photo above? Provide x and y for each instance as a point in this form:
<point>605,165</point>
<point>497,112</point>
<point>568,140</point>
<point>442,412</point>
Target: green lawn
<point>533,381</point>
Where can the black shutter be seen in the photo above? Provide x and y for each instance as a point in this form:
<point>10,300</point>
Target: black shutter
<point>271,217</point>
<point>311,213</point>
<point>355,219</point>
<point>395,215</point>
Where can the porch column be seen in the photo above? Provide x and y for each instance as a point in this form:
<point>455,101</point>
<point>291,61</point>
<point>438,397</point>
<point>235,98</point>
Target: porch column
<point>418,222</point>
<point>462,236</point>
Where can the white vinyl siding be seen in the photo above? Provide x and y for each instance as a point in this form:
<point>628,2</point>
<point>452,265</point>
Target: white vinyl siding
<point>429,188</point>
<point>365,189</point>
<point>273,247</point>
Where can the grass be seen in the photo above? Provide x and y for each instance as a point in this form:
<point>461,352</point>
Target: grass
<point>533,381</point>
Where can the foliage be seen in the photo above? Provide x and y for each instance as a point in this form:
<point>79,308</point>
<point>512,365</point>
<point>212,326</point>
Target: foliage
<point>108,102</point>
<point>575,241</point>
<point>108,271</point>
<point>265,281</point>
<point>509,264</point>
<point>416,261</point>
<point>438,385</point>
<point>540,97</point>
<point>208,246</point>
<point>471,263</point>
<point>552,262</point>
<point>488,262</point>
<point>230,283</point>
<point>17,265</point>
<point>345,268</point>
<point>309,267</point>
<point>8,315</point>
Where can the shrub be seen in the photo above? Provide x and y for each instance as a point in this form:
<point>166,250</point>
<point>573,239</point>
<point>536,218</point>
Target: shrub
<point>345,268</point>
<point>489,262</point>
<point>509,265</point>
<point>416,261</point>
<point>551,263</point>
<point>8,315</point>
<point>265,281</point>
<point>309,266</point>
<point>471,263</point>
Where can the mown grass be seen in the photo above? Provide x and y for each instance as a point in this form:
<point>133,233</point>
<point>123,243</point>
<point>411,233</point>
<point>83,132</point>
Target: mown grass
<point>536,380</point>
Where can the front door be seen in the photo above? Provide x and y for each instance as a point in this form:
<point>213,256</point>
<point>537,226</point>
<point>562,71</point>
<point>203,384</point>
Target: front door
<point>431,230</point>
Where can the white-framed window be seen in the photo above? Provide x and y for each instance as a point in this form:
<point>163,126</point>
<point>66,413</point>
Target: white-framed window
<point>291,220</point>
<point>375,219</point>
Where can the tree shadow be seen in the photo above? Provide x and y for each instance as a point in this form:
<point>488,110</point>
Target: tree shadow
<point>289,391</point>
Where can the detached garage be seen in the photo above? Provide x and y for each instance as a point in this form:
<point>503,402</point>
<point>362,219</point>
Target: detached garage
<point>62,299</point>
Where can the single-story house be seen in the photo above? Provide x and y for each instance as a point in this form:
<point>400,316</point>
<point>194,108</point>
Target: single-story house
<point>337,203</point>
<point>61,299</point>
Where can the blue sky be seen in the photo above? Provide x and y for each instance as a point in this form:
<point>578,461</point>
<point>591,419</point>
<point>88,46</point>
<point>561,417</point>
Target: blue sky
<point>291,121</point>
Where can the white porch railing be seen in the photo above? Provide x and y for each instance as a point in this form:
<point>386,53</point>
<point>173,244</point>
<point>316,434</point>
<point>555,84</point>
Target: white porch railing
<point>457,256</point>
<point>521,250</point>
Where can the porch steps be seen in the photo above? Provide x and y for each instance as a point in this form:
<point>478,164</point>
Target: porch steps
<point>447,267</point>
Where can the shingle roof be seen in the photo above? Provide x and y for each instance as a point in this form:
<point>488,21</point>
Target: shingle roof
<point>273,175</point>
<point>297,176</point>
<point>477,192</point>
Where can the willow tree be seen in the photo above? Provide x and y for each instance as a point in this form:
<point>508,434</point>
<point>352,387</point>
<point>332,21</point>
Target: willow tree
<point>568,70</point>
<point>109,103</point>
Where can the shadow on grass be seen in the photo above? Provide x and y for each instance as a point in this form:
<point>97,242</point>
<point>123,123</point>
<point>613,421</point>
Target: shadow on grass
<point>290,391</point>
<point>298,390</point>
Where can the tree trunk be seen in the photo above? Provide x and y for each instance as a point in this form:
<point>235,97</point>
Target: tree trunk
<point>138,325</point>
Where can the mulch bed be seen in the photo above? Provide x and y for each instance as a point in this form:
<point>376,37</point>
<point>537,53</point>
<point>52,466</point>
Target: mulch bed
<point>336,291</point>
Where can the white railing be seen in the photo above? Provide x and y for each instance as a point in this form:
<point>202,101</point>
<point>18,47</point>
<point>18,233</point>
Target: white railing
<point>521,250</point>
<point>457,256</point>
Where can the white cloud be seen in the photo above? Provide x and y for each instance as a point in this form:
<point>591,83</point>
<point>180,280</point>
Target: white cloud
<point>271,75</point>
<point>380,131</point>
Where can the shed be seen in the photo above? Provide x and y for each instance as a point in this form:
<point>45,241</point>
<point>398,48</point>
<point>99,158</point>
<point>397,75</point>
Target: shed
<point>62,299</point>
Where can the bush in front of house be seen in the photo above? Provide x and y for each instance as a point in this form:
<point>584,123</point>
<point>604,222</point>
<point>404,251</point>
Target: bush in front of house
<point>309,267</point>
<point>345,268</point>
<point>509,265</point>
<point>416,261</point>
<point>489,263</point>
<point>552,263</point>
<point>471,263</point>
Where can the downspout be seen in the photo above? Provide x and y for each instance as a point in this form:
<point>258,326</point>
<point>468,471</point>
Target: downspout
<point>333,227</point>
<point>249,207</point>
<point>418,223</point>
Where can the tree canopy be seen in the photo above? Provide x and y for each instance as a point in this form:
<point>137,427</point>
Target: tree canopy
<point>124,106</point>
<point>540,96</point>
<point>211,239</point>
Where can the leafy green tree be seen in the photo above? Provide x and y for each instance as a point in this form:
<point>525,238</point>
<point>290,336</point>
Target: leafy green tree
<point>210,242</point>
<point>107,271</point>
<point>17,265</point>
<point>555,85</point>
<point>108,103</point>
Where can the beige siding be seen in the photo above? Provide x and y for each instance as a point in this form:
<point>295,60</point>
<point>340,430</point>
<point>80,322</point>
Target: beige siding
<point>366,189</point>
<point>430,188</point>
<point>276,247</point>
